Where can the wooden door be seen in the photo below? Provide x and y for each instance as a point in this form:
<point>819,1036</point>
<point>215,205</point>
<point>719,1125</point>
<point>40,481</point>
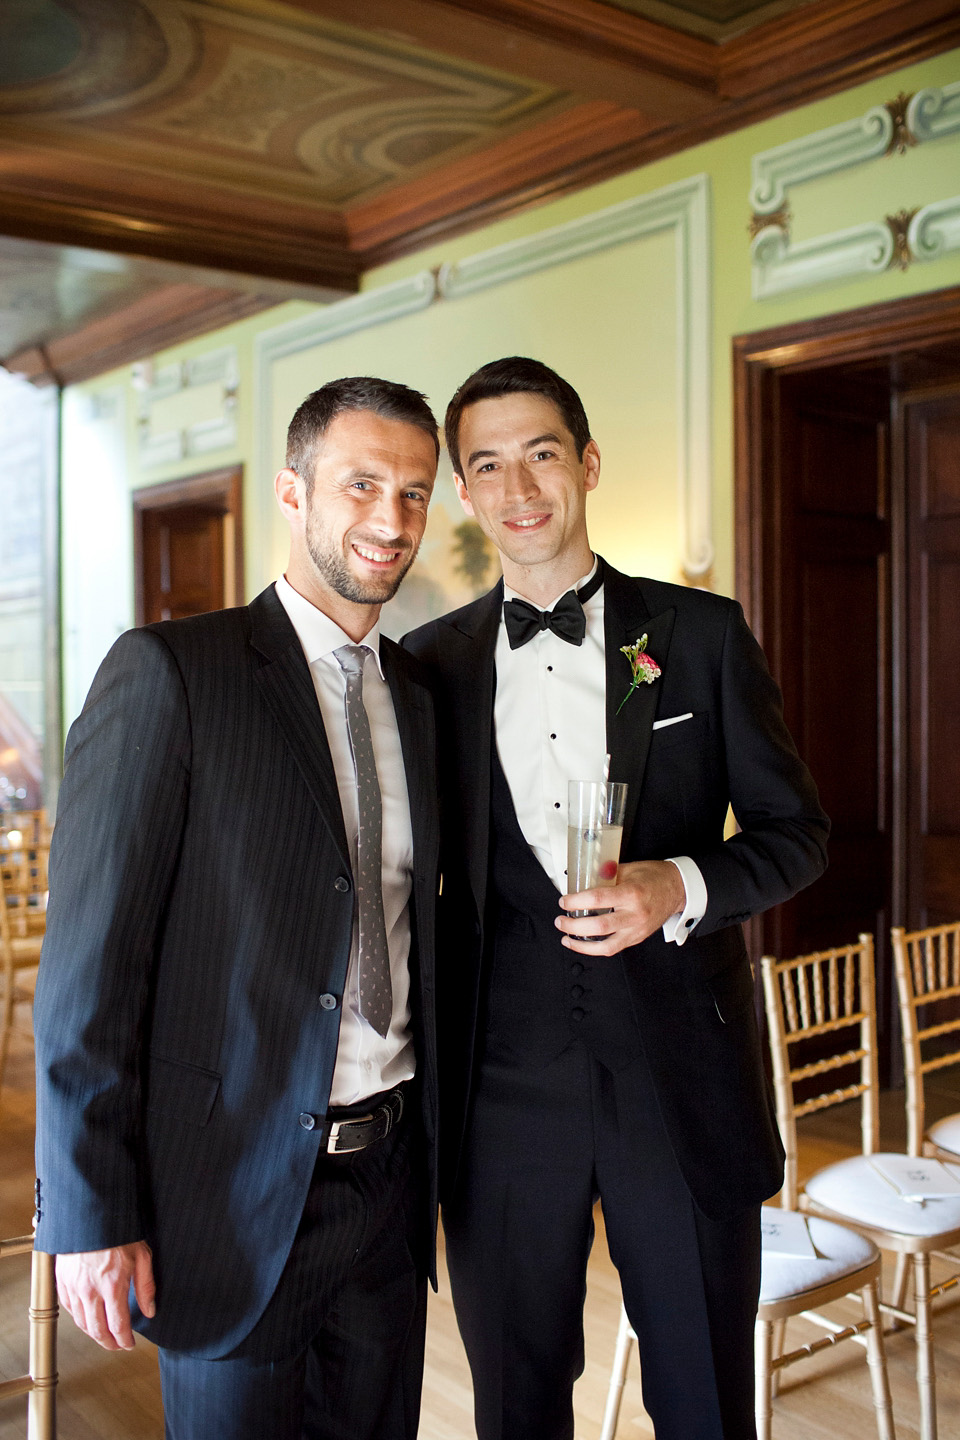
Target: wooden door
<point>188,545</point>
<point>931,429</point>
<point>182,562</point>
<point>834,651</point>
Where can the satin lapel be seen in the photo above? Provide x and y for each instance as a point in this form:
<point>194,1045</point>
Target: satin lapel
<point>470,669</point>
<point>287,687</point>
<point>625,619</point>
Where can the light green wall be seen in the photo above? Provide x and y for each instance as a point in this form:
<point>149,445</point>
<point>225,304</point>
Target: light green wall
<point>607,321</point>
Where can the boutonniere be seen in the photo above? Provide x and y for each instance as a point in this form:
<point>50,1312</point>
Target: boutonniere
<point>643,667</point>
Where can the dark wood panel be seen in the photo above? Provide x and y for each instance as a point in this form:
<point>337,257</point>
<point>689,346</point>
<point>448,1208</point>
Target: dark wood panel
<point>188,545</point>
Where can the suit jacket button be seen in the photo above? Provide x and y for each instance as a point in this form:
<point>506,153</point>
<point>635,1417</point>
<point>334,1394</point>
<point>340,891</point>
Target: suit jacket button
<point>308,1122</point>
<point>577,1014</point>
<point>328,1002</point>
<point>342,884</point>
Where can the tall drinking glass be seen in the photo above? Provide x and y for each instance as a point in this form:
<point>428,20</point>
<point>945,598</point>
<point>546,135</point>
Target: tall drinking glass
<point>594,832</point>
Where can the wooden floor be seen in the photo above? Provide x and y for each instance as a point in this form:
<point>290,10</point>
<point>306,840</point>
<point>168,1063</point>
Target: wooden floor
<point>116,1397</point>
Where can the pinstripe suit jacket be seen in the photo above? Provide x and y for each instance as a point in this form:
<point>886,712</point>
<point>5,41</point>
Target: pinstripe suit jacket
<point>195,921</point>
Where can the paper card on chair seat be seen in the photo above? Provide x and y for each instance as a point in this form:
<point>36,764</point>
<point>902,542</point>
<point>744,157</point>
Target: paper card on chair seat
<point>916,1178</point>
<point>784,1232</point>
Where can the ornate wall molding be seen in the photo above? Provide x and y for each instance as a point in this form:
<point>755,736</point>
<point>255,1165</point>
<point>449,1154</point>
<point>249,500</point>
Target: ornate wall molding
<point>683,209</point>
<point>203,436</point>
<point>779,265</point>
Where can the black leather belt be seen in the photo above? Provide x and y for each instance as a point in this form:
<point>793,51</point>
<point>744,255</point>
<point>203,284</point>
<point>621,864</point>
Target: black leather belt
<point>356,1133</point>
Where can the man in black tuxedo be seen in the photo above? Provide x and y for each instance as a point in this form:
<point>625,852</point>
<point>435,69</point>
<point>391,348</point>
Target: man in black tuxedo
<point>626,1067</point>
<point>235,1009</point>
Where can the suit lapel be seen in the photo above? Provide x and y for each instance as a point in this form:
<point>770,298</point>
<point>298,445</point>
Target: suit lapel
<point>287,687</point>
<point>626,619</point>
<point>414,712</point>
<point>471,642</point>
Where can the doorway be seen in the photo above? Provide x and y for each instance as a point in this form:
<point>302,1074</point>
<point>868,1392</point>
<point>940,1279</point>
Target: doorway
<point>848,566</point>
<point>188,545</point>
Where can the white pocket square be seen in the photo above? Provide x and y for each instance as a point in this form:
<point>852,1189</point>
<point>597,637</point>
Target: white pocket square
<point>674,720</point>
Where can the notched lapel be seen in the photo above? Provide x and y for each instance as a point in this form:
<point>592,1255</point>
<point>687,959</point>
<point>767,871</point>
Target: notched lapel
<point>629,732</point>
<point>288,690</point>
<point>415,723</point>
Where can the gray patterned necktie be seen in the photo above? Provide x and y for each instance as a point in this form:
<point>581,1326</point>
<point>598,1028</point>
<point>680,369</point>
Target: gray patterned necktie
<point>376,994</point>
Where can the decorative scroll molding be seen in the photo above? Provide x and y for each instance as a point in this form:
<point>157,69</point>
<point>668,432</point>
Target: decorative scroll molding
<point>896,242</point>
<point>811,156</point>
<point>935,229</point>
<point>780,266</point>
<point>683,208</point>
<point>934,113</point>
<point>203,436</point>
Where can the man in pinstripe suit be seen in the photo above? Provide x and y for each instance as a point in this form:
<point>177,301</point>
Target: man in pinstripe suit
<point>234,1015</point>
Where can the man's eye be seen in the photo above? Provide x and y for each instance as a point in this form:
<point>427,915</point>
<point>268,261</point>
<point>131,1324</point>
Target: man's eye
<point>361,485</point>
<point>483,469</point>
<point>543,455</point>
<point>417,495</point>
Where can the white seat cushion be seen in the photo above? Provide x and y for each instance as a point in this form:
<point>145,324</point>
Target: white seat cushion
<point>839,1252</point>
<point>853,1188</point>
<point>946,1134</point>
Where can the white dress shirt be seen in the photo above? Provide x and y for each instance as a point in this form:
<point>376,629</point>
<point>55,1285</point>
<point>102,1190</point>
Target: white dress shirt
<point>562,689</point>
<point>366,1062</point>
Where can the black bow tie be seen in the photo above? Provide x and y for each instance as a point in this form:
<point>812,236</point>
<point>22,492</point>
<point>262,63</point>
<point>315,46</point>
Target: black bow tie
<point>566,619</point>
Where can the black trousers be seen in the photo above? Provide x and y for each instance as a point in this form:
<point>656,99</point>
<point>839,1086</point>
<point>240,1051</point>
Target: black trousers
<point>543,1144</point>
<point>338,1352</point>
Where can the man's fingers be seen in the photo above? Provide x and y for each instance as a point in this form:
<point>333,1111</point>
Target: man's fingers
<point>95,1287</point>
<point>95,1323</point>
<point>144,1286</point>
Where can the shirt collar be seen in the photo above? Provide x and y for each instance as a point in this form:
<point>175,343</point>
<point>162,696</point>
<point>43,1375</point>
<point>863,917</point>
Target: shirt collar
<point>509,594</point>
<point>318,634</point>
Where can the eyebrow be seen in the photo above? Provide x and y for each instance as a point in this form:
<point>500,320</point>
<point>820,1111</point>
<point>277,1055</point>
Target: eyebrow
<point>476,455</point>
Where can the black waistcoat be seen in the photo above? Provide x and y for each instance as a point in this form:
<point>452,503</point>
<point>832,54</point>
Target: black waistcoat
<point>542,997</point>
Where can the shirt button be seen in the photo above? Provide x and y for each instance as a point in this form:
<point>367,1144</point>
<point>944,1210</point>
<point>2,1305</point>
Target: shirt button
<point>576,992</point>
<point>308,1122</point>
<point>342,884</point>
<point>577,1014</point>
<point>549,669</point>
<point>556,804</point>
<point>553,737</point>
<point>576,968</point>
<point>328,1002</point>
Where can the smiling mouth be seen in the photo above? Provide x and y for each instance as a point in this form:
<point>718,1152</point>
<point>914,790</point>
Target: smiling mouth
<point>374,556</point>
<point>527,522</point>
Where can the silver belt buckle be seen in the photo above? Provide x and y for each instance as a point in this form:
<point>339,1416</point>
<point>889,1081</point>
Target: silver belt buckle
<point>333,1148</point>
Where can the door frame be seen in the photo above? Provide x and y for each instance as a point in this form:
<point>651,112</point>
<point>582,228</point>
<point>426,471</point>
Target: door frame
<point>760,359</point>
<point>224,489</point>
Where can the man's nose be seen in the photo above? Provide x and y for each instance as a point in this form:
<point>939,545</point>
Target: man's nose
<point>388,515</point>
<point>519,482</point>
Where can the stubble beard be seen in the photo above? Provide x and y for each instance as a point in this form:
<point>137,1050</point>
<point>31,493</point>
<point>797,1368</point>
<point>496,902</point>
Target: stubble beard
<point>332,566</point>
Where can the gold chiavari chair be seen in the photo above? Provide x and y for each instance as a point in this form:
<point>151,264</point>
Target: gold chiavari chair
<point>928,983</point>
<point>843,1263</point>
<point>829,997</point>
<point>40,1384</point>
<point>23,901</point>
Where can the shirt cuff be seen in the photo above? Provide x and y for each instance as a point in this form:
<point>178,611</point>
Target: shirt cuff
<point>679,926</point>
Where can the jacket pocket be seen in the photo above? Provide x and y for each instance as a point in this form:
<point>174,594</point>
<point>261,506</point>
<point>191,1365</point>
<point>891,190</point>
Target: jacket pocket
<point>181,1092</point>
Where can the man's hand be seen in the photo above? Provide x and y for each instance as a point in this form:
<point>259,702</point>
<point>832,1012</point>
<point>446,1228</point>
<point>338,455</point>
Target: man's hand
<point>646,894</point>
<point>94,1286</point>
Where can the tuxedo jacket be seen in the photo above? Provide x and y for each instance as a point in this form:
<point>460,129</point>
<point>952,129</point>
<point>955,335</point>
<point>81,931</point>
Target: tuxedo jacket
<point>199,928</point>
<point>693,1004</point>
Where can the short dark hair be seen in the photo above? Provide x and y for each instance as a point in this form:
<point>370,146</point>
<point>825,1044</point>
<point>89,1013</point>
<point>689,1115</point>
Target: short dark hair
<point>516,375</point>
<point>354,392</point>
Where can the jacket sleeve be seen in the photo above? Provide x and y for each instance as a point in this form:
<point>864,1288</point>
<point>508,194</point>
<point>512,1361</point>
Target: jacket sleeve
<point>781,844</point>
<point>120,819</point>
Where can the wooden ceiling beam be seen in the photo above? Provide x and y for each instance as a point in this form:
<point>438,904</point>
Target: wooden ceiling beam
<point>835,43</point>
<point>582,47</point>
<point>65,196</point>
<point>164,317</point>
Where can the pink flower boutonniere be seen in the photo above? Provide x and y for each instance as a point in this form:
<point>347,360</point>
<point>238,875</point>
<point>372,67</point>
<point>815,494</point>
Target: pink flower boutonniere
<point>645,669</point>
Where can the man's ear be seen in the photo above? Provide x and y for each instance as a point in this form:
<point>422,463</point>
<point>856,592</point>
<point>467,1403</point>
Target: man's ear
<point>591,465</point>
<point>463,493</point>
<point>289,491</point>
